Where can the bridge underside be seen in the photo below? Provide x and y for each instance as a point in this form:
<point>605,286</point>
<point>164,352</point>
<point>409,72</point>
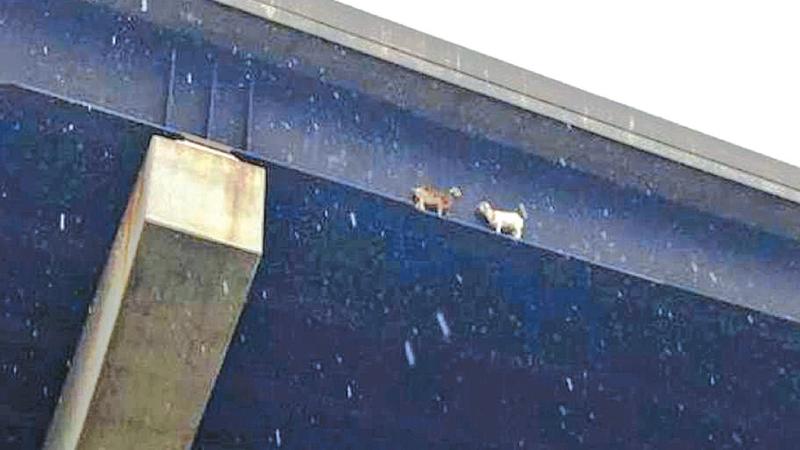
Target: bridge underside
<point>371,324</point>
<point>636,311</point>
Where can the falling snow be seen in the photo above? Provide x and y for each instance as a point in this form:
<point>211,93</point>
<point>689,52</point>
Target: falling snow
<point>443,324</point>
<point>410,358</point>
<point>460,322</point>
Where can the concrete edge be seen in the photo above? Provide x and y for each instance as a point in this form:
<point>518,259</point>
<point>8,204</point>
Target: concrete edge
<point>203,199</point>
<point>482,74</point>
<point>77,392</point>
<point>171,170</point>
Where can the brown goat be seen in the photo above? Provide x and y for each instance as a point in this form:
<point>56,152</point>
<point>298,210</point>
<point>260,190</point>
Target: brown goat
<point>429,197</point>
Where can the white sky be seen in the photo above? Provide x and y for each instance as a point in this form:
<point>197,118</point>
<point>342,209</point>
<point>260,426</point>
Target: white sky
<point>729,69</point>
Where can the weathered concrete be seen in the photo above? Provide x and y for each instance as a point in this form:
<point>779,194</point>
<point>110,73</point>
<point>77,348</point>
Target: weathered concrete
<point>167,302</point>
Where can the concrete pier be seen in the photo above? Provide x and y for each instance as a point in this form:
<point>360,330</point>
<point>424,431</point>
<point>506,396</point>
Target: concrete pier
<point>167,302</point>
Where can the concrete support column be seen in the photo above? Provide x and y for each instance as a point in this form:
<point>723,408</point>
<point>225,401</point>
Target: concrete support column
<point>167,303</point>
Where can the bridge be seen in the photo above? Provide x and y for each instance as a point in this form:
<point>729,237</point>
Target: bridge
<point>207,241</point>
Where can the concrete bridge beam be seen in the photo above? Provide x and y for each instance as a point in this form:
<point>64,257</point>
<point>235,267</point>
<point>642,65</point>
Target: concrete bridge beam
<point>167,302</point>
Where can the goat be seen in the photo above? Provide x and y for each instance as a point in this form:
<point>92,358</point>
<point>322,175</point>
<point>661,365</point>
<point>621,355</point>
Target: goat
<point>429,197</point>
<point>513,221</point>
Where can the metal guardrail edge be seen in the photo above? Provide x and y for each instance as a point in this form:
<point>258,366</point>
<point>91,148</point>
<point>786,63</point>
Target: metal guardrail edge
<point>348,27</point>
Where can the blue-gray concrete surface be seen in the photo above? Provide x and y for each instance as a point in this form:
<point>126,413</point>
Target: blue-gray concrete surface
<point>592,330</point>
<point>65,176</point>
<point>371,325</point>
<point>306,102</point>
<point>399,330</point>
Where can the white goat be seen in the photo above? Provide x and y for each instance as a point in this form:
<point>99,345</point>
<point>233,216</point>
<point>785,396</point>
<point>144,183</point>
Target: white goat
<point>513,221</point>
